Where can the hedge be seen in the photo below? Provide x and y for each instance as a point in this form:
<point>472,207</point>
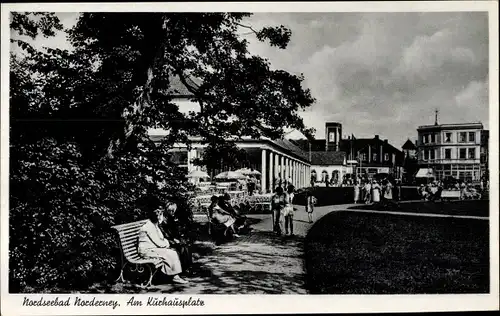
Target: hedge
<point>344,195</point>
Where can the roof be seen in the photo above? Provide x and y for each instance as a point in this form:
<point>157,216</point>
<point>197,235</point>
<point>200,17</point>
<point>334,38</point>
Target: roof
<point>288,145</point>
<point>478,125</point>
<point>409,145</point>
<point>361,143</point>
<point>327,158</point>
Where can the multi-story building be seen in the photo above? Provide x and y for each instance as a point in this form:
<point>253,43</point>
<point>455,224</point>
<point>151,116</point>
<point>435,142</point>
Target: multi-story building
<point>451,150</point>
<point>359,156</point>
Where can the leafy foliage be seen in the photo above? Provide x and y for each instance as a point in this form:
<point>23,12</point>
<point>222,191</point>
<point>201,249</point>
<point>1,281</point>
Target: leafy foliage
<point>81,159</point>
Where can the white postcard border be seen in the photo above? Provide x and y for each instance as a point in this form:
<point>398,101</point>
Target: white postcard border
<point>243,304</point>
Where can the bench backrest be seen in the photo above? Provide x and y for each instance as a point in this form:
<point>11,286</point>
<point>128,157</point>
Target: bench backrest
<point>128,234</point>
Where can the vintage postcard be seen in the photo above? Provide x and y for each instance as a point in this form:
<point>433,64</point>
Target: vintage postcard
<point>222,158</point>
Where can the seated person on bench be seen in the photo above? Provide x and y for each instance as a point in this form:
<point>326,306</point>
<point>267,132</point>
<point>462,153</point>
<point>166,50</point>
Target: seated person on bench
<point>171,230</point>
<point>225,204</point>
<point>219,216</point>
<point>153,244</point>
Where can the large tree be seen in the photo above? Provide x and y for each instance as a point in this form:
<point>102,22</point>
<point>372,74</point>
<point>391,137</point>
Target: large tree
<point>80,154</point>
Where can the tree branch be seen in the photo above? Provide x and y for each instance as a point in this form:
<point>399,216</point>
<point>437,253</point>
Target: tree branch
<point>247,27</point>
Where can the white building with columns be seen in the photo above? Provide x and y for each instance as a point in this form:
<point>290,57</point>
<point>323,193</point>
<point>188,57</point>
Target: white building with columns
<point>274,159</point>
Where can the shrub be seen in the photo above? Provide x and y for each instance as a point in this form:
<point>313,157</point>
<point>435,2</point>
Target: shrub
<point>62,210</point>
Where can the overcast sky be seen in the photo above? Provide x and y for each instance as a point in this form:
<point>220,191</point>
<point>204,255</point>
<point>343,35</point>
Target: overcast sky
<point>381,73</point>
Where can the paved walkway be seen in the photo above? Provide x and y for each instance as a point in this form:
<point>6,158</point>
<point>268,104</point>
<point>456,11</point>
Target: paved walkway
<point>258,263</point>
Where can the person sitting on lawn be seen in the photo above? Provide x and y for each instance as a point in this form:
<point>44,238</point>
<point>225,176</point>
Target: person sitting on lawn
<point>153,244</point>
<point>221,217</point>
<point>423,192</point>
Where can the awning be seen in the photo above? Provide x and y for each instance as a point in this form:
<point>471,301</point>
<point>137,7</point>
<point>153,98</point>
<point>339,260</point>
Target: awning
<point>425,173</point>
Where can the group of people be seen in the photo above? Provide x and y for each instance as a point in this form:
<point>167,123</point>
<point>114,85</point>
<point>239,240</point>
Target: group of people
<point>159,238</point>
<point>432,190</point>
<point>226,220</point>
<point>283,210</point>
<point>371,191</point>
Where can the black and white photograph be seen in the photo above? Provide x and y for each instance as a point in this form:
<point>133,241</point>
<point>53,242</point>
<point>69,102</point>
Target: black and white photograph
<point>167,156</point>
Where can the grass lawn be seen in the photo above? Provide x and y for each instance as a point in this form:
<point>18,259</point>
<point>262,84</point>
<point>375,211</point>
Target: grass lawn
<point>369,253</point>
<point>468,207</point>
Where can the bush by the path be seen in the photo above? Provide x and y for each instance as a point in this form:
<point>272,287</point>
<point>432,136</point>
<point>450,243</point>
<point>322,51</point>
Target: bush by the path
<point>369,253</point>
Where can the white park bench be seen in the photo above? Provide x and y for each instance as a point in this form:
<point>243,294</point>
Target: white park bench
<point>128,234</point>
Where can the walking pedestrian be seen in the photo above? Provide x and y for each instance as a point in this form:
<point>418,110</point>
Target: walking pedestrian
<point>376,192</point>
<point>288,210</point>
<point>368,192</point>
<point>357,188</point>
<point>278,202</point>
<point>310,202</point>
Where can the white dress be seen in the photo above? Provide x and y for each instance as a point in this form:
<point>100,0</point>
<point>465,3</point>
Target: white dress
<point>152,244</point>
<point>376,193</point>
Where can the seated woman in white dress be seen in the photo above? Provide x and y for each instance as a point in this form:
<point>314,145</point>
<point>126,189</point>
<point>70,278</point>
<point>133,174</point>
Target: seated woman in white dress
<point>153,244</point>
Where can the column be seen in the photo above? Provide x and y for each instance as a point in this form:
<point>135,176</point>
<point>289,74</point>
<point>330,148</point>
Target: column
<point>296,174</point>
<point>271,171</point>
<point>282,167</point>
<point>263,172</point>
<point>289,168</point>
<point>301,175</point>
<point>283,172</point>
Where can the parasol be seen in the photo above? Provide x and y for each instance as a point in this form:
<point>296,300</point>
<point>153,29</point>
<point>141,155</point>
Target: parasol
<point>198,174</point>
<point>230,175</point>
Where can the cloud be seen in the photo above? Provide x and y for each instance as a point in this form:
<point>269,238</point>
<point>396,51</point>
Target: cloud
<point>379,73</point>
<point>386,73</point>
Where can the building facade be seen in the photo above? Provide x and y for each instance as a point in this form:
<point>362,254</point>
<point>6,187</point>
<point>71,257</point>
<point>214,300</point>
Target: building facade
<point>328,167</point>
<point>274,159</point>
<point>374,155</point>
<point>363,156</point>
<point>451,150</point>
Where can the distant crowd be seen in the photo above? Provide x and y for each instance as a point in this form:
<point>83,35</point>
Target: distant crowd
<point>372,191</point>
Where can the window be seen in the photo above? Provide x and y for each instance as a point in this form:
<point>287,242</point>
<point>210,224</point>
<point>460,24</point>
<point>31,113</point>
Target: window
<point>426,155</point>
<point>472,153</point>
<point>374,157</point>
<point>447,137</point>
<point>433,138</point>
<point>331,137</point>
<point>363,157</point>
<point>463,153</point>
<point>386,157</point>
<point>472,137</point>
<point>425,139</point>
<point>447,153</point>
<point>462,137</point>
<point>433,154</point>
